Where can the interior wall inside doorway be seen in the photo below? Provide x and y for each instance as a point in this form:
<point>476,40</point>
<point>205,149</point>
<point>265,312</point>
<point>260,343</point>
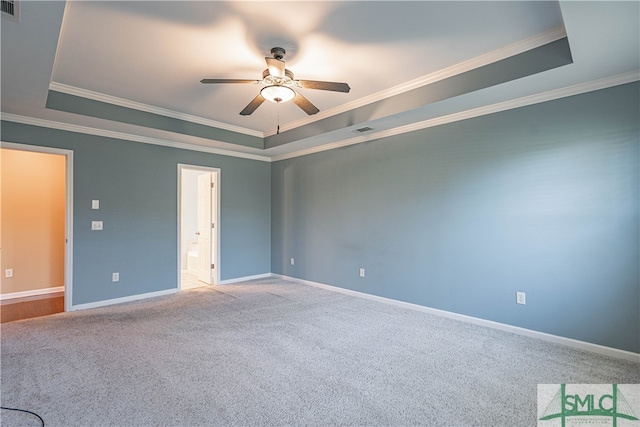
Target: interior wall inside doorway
<point>32,225</point>
<point>189,213</point>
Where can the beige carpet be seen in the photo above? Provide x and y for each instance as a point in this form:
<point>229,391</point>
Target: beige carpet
<point>271,352</point>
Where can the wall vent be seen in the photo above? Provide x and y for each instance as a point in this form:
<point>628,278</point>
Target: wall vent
<point>364,129</point>
<point>9,9</point>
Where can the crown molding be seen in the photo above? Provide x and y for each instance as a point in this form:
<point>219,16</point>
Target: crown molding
<point>121,102</point>
<point>463,115</point>
<point>479,61</point>
<point>445,73</point>
<point>475,112</point>
<point>127,136</point>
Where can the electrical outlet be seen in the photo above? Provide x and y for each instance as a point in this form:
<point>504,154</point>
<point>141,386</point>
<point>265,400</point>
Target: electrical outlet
<point>8,272</point>
<point>96,225</point>
<point>362,272</point>
<point>521,298</point>
<point>293,261</point>
<point>115,277</point>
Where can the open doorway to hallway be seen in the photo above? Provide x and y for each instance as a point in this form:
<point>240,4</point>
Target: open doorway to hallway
<point>36,231</point>
<point>198,226</point>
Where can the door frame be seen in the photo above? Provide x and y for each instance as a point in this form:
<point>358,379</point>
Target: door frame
<point>68,221</point>
<point>215,239</point>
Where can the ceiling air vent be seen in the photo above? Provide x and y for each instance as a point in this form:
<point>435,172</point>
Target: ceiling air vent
<point>9,9</point>
<point>364,129</point>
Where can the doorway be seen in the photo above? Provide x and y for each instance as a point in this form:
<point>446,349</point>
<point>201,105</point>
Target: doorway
<point>198,226</point>
<point>37,225</point>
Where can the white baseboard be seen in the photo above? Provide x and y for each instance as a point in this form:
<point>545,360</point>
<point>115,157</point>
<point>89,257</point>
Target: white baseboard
<point>123,299</point>
<point>245,279</point>
<point>582,345</point>
<point>35,292</point>
<point>158,293</point>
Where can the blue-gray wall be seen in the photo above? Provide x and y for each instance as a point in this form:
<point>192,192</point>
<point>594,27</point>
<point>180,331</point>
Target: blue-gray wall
<point>137,188</point>
<point>542,199</point>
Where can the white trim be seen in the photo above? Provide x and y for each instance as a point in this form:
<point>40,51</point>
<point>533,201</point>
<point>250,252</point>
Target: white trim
<point>113,301</point>
<point>582,345</point>
<point>463,115</point>
<point>68,250</point>
<point>475,112</point>
<point>516,48</point>
<point>246,278</point>
<point>128,137</point>
<point>34,292</point>
<point>121,102</point>
<point>217,180</point>
<point>56,57</point>
<point>477,62</point>
<point>33,148</point>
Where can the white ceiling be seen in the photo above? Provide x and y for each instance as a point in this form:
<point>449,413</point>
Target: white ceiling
<point>152,55</point>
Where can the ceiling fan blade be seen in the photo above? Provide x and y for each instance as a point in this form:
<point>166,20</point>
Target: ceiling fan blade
<point>228,81</point>
<point>333,86</point>
<point>305,104</point>
<point>276,66</point>
<point>253,105</point>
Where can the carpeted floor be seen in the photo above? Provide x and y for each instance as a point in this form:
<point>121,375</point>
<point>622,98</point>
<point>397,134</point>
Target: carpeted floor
<point>272,353</point>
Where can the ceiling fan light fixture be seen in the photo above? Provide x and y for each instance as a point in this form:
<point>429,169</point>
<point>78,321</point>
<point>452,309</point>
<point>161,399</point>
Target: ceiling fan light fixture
<point>278,93</point>
<point>278,82</point>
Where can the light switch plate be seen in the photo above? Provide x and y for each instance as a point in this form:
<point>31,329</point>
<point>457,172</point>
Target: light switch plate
<point>96,225</point>
<point>8,272</point>
<point>95,204</point>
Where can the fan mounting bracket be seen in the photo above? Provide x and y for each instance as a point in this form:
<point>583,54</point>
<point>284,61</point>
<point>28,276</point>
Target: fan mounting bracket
<point>278,52</point>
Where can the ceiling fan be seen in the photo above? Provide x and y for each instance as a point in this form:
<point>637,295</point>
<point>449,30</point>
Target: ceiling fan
<point>279,85</point>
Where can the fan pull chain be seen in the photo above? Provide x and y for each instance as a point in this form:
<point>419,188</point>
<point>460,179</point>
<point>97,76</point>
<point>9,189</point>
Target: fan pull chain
<point>278,118</point>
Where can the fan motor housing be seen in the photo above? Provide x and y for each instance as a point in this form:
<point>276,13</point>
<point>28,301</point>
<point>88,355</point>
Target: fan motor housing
<point>287,73</point>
